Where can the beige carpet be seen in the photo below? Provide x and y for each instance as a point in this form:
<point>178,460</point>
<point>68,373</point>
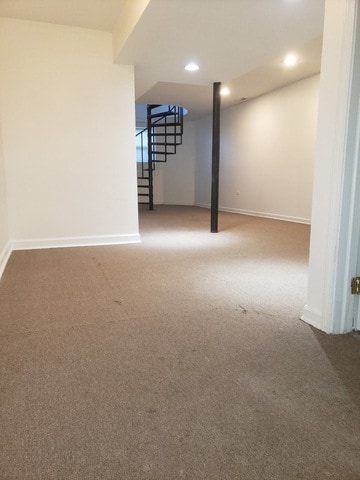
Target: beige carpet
<point>182,357</point>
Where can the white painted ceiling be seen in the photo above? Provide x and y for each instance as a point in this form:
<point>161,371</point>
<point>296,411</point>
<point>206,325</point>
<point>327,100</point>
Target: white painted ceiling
<point>240,43</point>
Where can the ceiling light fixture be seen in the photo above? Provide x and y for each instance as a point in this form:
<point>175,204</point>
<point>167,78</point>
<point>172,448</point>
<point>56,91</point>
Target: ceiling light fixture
<point>191,67</point>
<point>224,91</point>
<point>290,60</point>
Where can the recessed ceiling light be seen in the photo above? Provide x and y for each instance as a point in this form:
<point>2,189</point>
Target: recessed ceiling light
<point>224,91</point>
<point>191,67</point>
<point>290,60</point>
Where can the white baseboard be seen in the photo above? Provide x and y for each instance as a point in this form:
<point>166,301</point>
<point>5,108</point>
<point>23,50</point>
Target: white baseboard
<point>175,204</point>
<point>41,243</point>
<point>74,242</point>
<point>202,205</point>
<point>4,257</point>
<point>180,204</point>
<point>312,318</point>
<point>272,216</point>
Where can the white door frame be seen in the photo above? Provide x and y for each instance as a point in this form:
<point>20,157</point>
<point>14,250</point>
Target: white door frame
<point>348,261</point>
<point>335,228</point>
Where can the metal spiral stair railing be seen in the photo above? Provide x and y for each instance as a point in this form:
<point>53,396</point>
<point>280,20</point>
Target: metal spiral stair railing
<point>162,136</point>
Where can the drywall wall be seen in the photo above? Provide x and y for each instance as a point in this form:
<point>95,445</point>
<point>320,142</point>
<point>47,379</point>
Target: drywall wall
<point>68,125</point>
<point>178,172</point>
<point>130,15</point>
<point>266,154</point>
<point>158,179</point>
<point>4,234</point>
<point>203,153</point>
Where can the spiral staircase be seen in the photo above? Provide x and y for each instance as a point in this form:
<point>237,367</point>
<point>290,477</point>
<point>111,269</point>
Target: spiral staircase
<point>155,143</point>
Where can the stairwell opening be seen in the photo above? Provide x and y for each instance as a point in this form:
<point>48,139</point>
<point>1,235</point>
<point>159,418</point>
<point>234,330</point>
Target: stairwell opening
<point>160,136</point>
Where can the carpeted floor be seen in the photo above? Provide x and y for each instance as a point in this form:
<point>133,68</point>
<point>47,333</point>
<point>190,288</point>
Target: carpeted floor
<point>182,357</point>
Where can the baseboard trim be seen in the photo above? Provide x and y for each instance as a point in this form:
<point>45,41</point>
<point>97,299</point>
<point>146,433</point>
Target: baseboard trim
<point>272,216</point>
<point>312,318</point>
<point>174,204</point>
<point>202,205</point>
<point>74,242</point>
<point>4,258</point>
<point>180,204</point>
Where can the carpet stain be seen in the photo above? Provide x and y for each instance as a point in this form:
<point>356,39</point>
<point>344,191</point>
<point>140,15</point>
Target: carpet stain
<point>152,411</point>
<point>243,309</point>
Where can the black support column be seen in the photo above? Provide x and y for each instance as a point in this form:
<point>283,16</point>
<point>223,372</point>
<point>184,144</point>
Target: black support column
<point>215,158</point>
<point>150,160</point>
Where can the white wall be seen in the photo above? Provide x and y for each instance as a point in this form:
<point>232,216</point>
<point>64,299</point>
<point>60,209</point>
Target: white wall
<point>68,125</point>
<point>4,234</point>
<point>266,154</point>
<point>178,172</point>
<point>203,154</point>
<point>158,179</point>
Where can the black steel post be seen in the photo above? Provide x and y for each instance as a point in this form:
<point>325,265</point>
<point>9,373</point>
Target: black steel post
<point>150,160</point>
<point>215,158</point>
